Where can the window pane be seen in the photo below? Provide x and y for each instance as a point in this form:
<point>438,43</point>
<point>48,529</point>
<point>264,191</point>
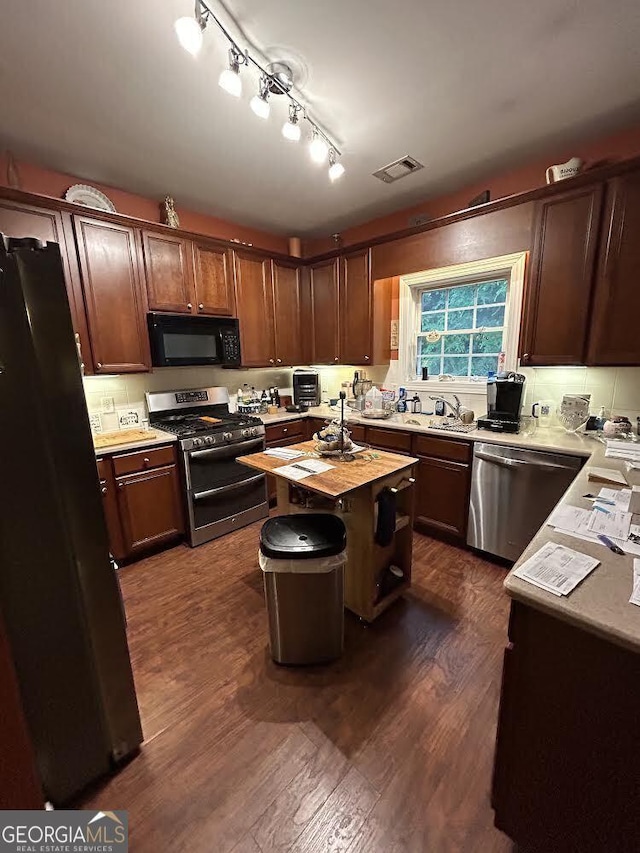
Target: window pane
<point>492,291</point>
<point>433,300</point>
<point>425,348</point>
<point>460,319</point>
<point>433,364</point>
<point>461,297</point>
<point>487,342</point>
<point>456,365</point>
<point>490,316</point>
<point>482,364</point>
<point>433,321</point>
<point>457,344</point>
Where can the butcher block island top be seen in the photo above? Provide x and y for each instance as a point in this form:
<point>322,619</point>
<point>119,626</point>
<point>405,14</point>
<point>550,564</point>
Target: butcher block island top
<point>367,467</point>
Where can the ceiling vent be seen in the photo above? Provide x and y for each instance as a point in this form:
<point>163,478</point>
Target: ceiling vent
<point>398,169</point>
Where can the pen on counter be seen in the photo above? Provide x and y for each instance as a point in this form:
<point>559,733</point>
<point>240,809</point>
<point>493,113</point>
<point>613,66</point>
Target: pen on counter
<point>601,509</point>
<point>303,468</point>
<point>610,545</point>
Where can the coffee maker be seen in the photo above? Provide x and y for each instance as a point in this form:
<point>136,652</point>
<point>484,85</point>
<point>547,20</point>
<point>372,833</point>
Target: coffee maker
<point>306,388</point>
<point>504,402</point>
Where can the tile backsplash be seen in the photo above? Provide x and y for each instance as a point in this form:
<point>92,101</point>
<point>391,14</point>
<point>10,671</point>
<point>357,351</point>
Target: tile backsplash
<point>129,389</point>
<point>615,388</point>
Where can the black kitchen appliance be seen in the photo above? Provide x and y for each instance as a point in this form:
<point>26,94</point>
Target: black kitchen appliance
<point>59,592</point>
<point>504,402</point>
<point>306,388</point>
<point>181,340</point>
<point>221,494</point>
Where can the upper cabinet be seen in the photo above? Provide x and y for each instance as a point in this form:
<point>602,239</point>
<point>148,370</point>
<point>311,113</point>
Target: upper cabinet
<point>168,272</point>
<point>356,309</point>
<point>254,303</point>
<point>557,304</point>
<point>115,298</point>
<point>287,313</point>
<point>213,280</point>
<point>325,312</point>
<point>614,325</point>
<point>21,220</point>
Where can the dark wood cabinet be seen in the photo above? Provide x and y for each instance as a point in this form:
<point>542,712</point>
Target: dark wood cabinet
<point>281,435</point>
<point>149,507</point>
<point>110,508</point>
<point>213,280</point>
<point>21,220</point>
<point>169,272</point>
<point>254,304</point>
<point>616,308</point>
<point>287,313</point>
<point>325,312</point>
<point>558,294</point>
<point>356,309</point>
<point>443,484</point>
<point>115,298</point>
<point>393,440</point>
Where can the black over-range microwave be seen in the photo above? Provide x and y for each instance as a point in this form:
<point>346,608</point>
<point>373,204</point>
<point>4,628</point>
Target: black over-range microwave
<point>182,340</point>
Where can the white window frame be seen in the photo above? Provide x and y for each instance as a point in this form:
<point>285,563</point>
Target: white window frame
<point>512,267</point>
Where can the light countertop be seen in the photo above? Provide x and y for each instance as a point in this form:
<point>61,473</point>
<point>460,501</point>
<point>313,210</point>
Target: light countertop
<point>156,438</point>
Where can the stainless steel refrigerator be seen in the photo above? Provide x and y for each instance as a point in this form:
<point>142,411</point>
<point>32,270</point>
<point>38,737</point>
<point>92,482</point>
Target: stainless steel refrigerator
<point>59,593</point>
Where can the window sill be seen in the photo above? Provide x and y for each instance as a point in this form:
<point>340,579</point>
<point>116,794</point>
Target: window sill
<point>434,386</point>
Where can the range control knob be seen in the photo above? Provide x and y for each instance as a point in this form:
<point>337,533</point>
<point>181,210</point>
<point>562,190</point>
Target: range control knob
<point>227,436</point>
<point>255,431</point>
<point>210,439</point>
<point>245,433</point>
<point>197,442</point>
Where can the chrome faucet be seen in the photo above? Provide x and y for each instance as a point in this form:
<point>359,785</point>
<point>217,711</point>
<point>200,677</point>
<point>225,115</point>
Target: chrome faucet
<point>454,408</point>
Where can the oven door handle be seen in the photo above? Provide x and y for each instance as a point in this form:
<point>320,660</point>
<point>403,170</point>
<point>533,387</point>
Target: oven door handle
<point>217,451</point>
<point>198,496</point>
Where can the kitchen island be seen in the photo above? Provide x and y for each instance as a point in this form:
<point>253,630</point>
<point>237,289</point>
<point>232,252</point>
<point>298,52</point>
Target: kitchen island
<point>355,490</point>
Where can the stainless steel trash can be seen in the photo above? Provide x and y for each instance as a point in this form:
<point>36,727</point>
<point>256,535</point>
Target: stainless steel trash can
<point>302,558</point>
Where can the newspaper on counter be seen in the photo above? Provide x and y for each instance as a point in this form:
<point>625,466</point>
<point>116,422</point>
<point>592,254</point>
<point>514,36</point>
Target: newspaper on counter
<point>556,568</point>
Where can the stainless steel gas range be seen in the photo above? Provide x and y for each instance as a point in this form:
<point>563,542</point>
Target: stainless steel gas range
<point>221,495</point>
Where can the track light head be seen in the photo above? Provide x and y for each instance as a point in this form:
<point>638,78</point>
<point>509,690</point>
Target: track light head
<point>291,128</point>
<point>318,148</point>
<point>189,30</point>
<point>260,102</point>
<point>336,169</point>
<point>229,79</point>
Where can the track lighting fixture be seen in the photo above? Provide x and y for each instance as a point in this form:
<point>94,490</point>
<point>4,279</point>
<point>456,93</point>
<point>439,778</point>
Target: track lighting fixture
<point>318,148</point>
<point>276,79</point>
<point>229,79</point>
<point>260,102</point>
<point>336,169</point>
<point>291,128</point>
<point>190,29</point>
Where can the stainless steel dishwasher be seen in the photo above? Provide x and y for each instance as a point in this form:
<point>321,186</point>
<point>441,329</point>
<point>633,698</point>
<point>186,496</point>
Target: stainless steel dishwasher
<point>512,492</point>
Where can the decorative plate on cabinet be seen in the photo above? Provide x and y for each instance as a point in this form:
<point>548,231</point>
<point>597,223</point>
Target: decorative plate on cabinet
<point>89,197</point>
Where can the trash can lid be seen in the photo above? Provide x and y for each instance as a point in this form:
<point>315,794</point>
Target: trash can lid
<point>303,536</point>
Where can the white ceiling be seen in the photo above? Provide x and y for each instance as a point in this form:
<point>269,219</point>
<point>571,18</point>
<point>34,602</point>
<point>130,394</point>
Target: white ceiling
<point>101,89</point>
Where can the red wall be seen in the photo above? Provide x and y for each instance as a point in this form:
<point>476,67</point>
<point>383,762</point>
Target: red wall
<point>618,146</point>
<point>35,179</point>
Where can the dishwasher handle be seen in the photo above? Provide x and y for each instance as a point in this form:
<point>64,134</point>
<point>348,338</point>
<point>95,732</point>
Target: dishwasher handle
<point>506,462</point>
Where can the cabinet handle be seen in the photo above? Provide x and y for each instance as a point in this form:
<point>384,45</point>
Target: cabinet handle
<point>336,358</point>
<point>284,429</point>
<point>104,490</point>
<point>145,461</point>
<point>99,365</point>
<point>279,360</point>
<point>189,306</point>
<point>121,485</point>
<point>201,307</point>
<point>366,358</point>
<point>271,361</point>
<point>525,356</point>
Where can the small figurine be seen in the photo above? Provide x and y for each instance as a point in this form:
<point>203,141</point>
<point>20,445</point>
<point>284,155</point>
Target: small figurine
<point>169,215</point>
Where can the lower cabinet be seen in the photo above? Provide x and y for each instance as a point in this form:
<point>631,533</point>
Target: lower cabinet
<point>393,440</point>
<point>280,435</point>
<point>142,500</point>
<point>444,484</point>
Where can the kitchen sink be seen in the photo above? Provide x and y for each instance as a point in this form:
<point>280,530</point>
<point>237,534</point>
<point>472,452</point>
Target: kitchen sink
<point>455,427</point>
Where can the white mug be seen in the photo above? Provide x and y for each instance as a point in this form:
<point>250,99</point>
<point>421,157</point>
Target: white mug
<point>564,170</point>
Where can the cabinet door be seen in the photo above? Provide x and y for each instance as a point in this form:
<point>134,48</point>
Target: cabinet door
<point>558,296</point>
<point>355,309</point>
<point>21,220</point>
<point>150,509</point>
<point>325,312</point>
<point>214,280</point>
<point>254,303</point>
<point>286,305</point>
<point>442,495</point>
<point>116,304</point>
<point>110,508</point>
<point>168,267</point>
<point>614,326</point>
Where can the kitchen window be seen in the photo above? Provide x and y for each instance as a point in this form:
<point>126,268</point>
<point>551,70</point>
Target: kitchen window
<point>457,320</point>
<point>461,328</point>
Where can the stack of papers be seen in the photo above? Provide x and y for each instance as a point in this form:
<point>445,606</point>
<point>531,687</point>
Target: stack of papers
<point>556,569</point>
<point>635,595</point>
<point>607,475</point>
<point>300,470</point>
<point>611,523</point>
<point>619,449</point>
<point>615,523</point>
<point>283,453</point>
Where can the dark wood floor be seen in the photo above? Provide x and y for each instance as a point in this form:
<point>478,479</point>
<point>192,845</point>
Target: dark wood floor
<point>388,750</point>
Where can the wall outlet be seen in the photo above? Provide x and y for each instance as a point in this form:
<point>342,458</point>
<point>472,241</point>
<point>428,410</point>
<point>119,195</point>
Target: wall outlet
<point>107,405</point>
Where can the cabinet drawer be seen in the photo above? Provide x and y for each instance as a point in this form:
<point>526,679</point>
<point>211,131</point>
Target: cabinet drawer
<point>443,448</point>
<point>277,432</point>
<point>358,432</point>
<point>389,439</point>
<point>103,468</point>
<point>142,460</point>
